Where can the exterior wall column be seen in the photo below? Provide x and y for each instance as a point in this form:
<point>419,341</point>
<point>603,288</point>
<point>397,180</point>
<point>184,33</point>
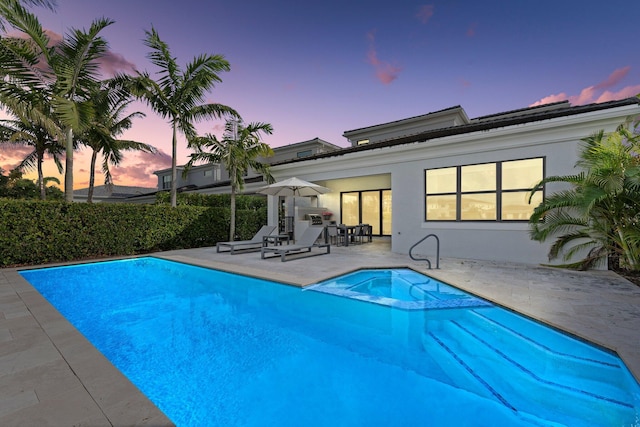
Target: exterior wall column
<point>272,210</point>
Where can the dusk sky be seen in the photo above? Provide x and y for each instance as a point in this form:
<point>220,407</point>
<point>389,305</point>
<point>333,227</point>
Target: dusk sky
<point>318,69</point>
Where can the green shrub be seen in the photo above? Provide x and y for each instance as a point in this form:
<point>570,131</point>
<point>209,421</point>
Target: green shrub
<point>36,232</point>
<point>243,202</point>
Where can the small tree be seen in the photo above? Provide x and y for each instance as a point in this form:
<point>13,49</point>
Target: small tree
<point>15,186</point>
<point>26,133</point>
<point>600,213</point>
<point>177,94</point>
<point>108,123</point>
<point>238,151</point>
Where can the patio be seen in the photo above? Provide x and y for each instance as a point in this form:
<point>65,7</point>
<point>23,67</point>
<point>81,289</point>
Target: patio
<point>50,375</point>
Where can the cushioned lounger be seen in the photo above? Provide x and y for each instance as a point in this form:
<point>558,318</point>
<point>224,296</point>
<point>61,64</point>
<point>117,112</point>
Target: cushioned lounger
<point>244,245</point>
<point>303,244</point>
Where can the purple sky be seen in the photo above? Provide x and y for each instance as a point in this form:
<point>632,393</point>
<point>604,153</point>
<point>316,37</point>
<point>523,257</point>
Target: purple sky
<point>317,69</point>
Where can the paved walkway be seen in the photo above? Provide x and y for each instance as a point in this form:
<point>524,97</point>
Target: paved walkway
<point>51,376</point>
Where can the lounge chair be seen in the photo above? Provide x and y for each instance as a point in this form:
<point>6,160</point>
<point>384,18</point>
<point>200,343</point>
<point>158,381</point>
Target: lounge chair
<point>245,245</point>
<point>304,244</point>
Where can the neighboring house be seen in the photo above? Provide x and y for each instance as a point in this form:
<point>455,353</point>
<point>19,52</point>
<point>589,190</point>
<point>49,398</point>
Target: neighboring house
<point>213,178</point>
<point>465,180</point>
<point>114,193</point>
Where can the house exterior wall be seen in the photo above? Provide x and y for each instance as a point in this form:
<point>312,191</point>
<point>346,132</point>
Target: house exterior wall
<point>556,140</point>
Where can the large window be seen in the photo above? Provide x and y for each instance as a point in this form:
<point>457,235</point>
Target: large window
<point>484,192</point>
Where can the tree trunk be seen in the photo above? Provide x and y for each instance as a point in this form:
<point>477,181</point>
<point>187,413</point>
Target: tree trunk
<point>68,168</point>
<point>92,176</point>
<point>174,170</point>
<point>43,191</point>
<point>232,226</point>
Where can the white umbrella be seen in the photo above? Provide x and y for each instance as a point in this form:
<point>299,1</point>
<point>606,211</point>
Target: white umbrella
<point>293,187</point>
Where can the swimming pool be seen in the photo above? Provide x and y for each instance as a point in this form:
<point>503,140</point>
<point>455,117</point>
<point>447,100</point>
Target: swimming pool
<point>213,348</point>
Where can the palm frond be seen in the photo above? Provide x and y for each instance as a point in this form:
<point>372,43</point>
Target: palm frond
<point>161,57</point>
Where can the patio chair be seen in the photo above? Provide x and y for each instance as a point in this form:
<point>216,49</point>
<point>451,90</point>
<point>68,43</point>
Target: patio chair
<point>358,234</point>
<point>334,235</point>
<point>304,244</point>
<point>255,243</point>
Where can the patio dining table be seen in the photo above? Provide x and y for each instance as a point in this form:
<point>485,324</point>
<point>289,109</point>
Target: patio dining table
<point>349,232</point>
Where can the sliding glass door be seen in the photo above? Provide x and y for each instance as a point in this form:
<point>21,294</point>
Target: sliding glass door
<point>371,207</point>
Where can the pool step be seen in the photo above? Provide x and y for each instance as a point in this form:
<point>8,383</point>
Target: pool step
<point>561,342</point>
<point>548,357</point>
<point>482,368</point>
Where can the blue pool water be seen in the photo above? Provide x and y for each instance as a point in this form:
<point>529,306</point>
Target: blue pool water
<point>400,287</point>
<point>213,348</point>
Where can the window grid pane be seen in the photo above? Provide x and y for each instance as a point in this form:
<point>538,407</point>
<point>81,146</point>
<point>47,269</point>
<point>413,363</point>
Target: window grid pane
<point>441,181</point>
<point>478,207</point>
<point>515,206</point>
<point>521,174</point>
<point>478,177</point>
<point>441,208</point>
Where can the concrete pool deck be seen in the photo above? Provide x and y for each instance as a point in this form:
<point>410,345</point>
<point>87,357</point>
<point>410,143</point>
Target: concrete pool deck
<point>51,376</point>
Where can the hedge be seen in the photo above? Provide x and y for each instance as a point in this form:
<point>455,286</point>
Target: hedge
<point>37,232</point>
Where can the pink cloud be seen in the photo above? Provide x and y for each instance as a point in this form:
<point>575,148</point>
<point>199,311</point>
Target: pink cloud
<point>551,99</point>
<point>110,64</point>
<point>12,154</point>
<point>137,169</point>
<point>425,13</point>
<point>614,78</point>
<point>384,71</point>
<point>597,92</point>
<point>218,128</point>
<point>471,31</point>
<point>625,92</point>
<point>113,63</point>
<point>54,38</point>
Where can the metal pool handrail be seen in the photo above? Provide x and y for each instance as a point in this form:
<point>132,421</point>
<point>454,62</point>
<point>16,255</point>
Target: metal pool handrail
<point>426,259</point>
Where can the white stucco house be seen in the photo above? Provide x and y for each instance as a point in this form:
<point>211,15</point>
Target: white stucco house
<point>465,180</point>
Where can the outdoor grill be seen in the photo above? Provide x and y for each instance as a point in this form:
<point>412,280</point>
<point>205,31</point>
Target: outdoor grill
<point>315,219</point>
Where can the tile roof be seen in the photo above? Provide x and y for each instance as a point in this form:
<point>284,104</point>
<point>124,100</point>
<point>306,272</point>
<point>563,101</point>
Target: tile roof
<point>494,121</point>
<point>115,192</point>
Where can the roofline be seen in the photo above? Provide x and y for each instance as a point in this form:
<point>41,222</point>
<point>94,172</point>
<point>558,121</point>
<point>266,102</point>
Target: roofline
<point>316,139</point>
<point>408,119</point>
<point>473,127</point>
<point>512,112</point>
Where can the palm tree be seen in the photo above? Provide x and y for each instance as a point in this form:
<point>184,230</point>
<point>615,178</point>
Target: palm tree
<point>177,94</point>
<point>238,151</point>
<point>29,134</point>
<point>49,4</point>
<point>600,213</point>
<point>67,72</point>
<point>110,105</point>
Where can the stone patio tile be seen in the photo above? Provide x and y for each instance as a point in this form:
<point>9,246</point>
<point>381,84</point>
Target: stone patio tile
<point>20,355</point>
<point>69,407</point>
<point>136,407</point>
<point>46,380</point>
<point>13,402</point>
